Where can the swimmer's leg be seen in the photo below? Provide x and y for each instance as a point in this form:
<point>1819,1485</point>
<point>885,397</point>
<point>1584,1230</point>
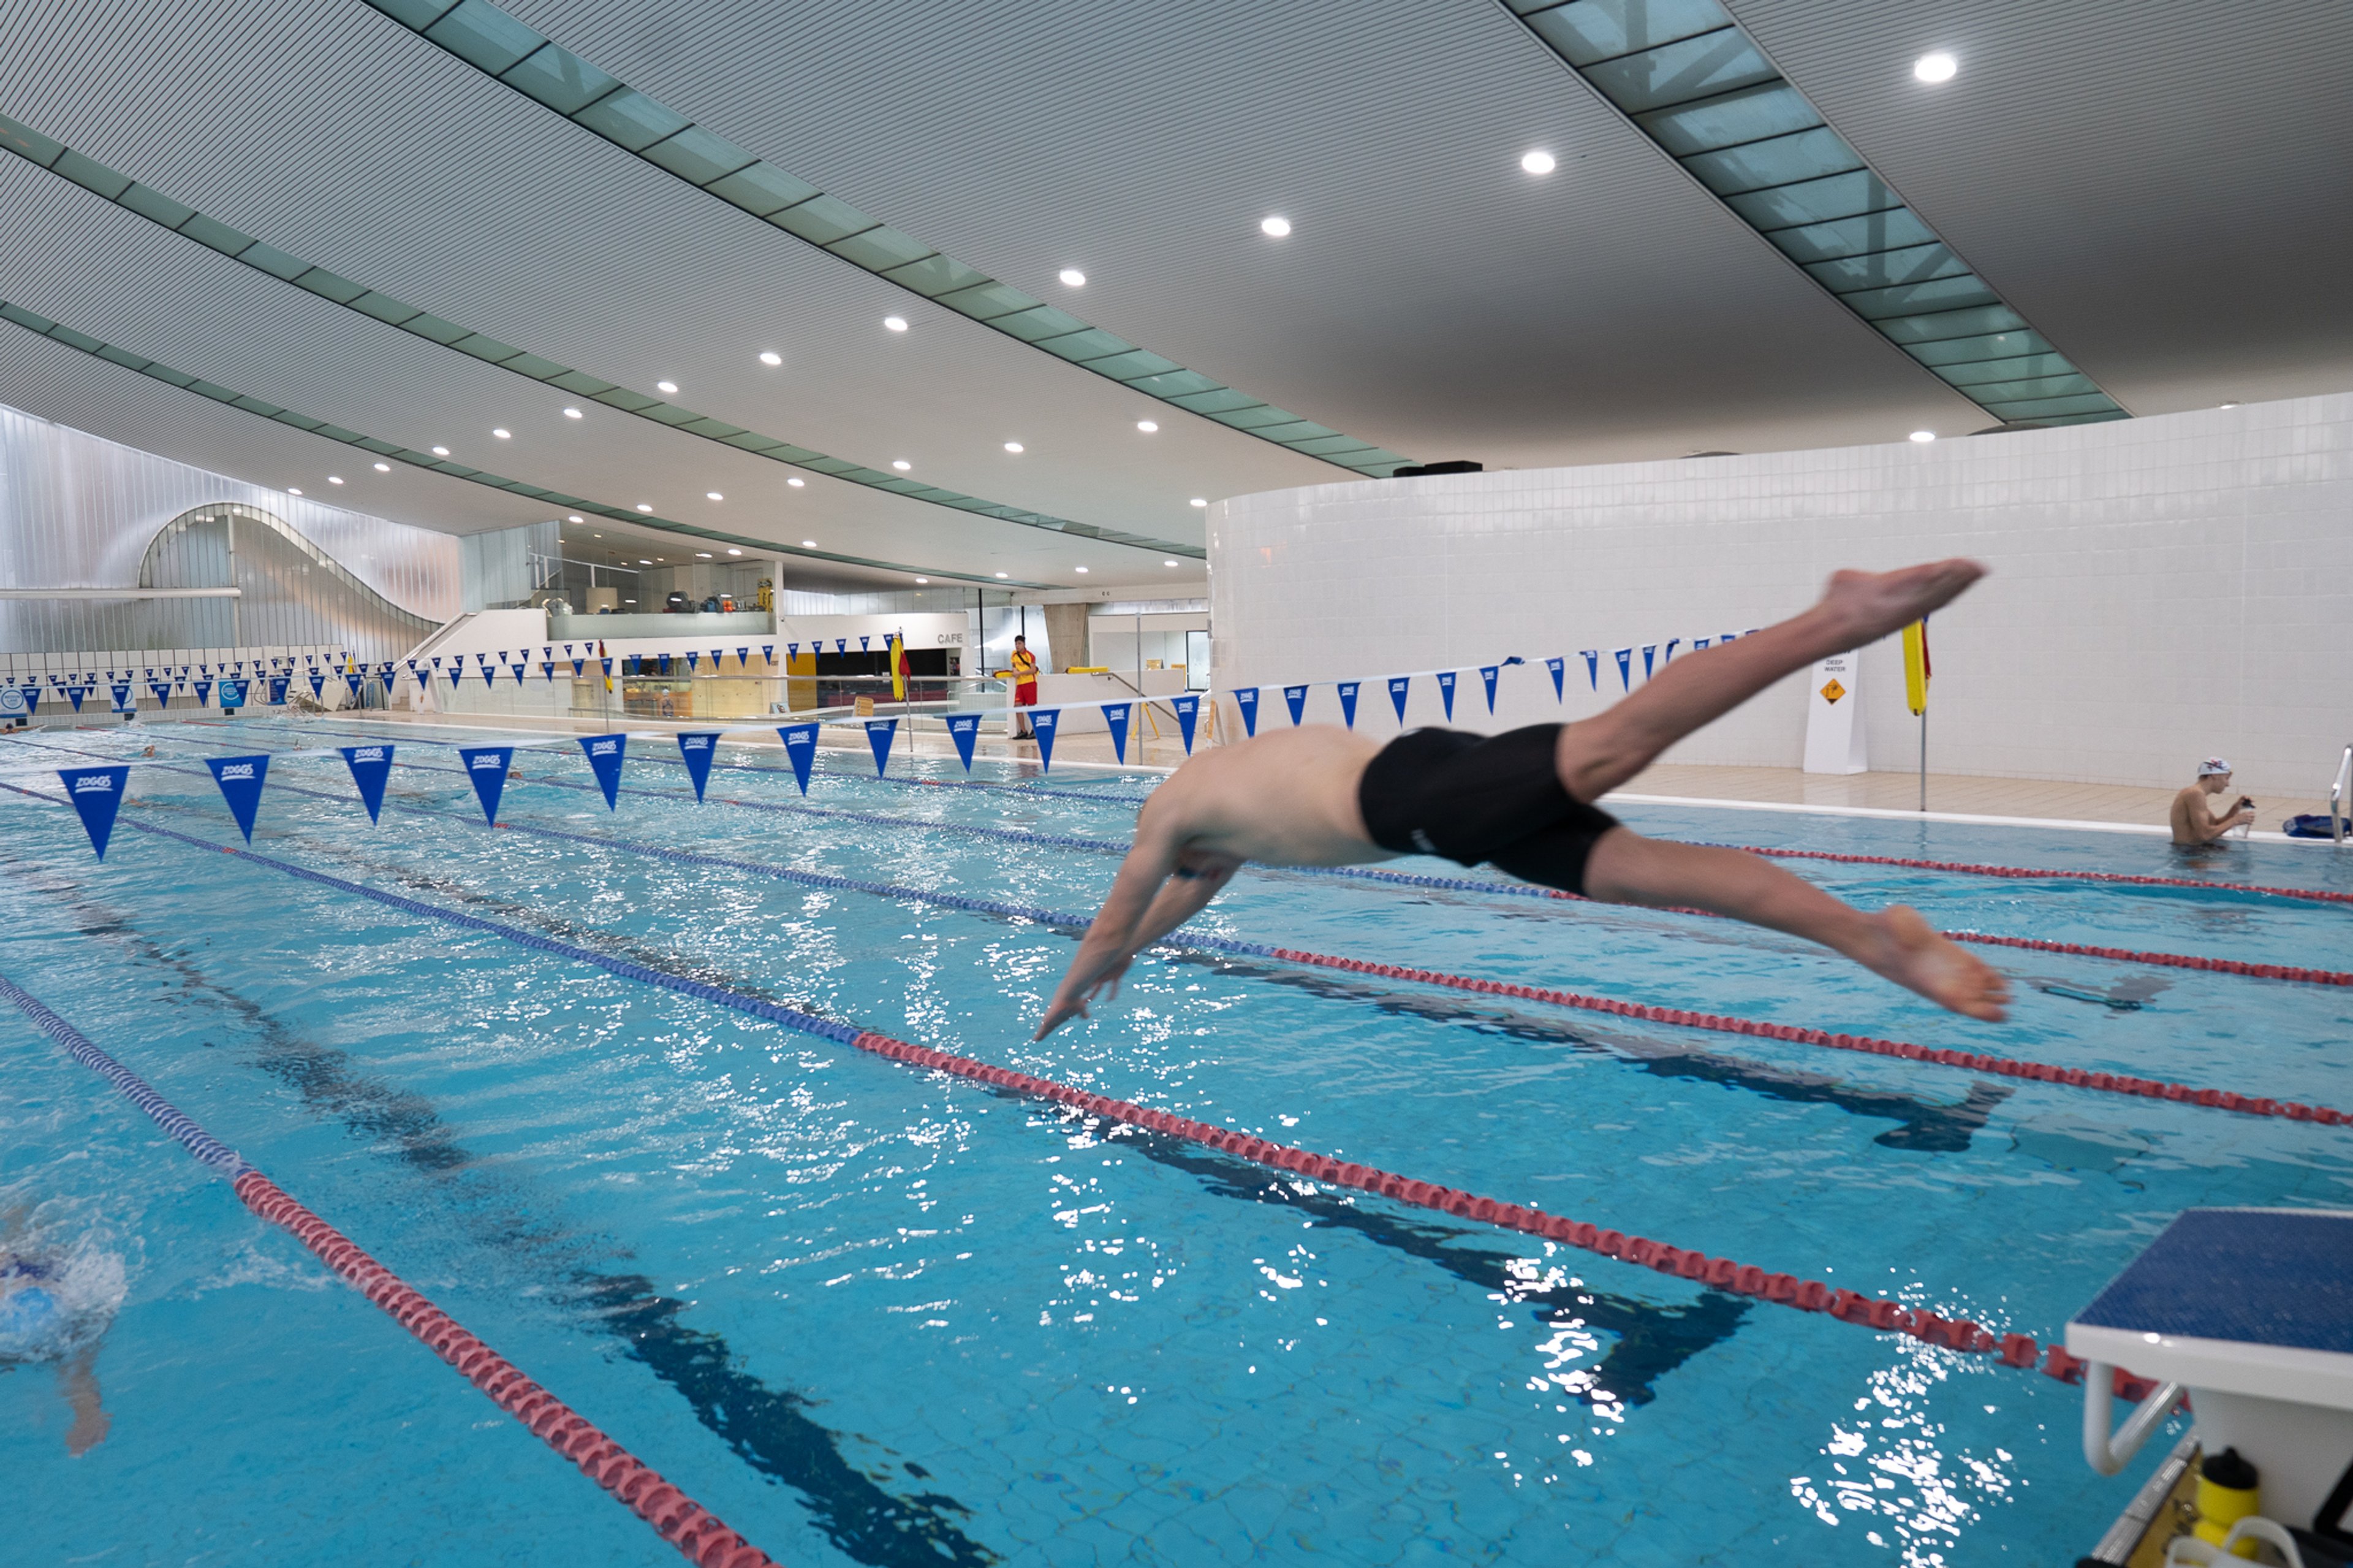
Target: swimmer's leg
<point>1627,868</point>
<point>1597,755</point>
<point>78,1381</point>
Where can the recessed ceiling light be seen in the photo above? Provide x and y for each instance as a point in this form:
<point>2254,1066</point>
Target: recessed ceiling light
<point>771,357</point>
<point>1924,437</point>
<point>703,555</point>
<point>1014,446</point>
<point>1196,500</point>
<point>596,536</point>
<point>440,451</point>
<point>734,553</point>
<point>923,579</point>
<point>797,482</point>
<point>1935,68</point>
<point>1536,163</point>
<point>1274,227</point>
<point>575,517</point>
<point>1147,425</point>
<point>1079,569</point>
<point>571,414</point>
<point>292,491</point>
<point>712,495</point>
<point>334,478</point>
<point>643,561</point>
<point>502,435</point>
<point>1168,564</point>
<point>645,506</point>
<point>384,467</point>
<point>901,464</point>
<point>666,386</point>
<point>808,544</point>
<point>1073,278</point>
<point>2232,404</point>
<point>896,323</point>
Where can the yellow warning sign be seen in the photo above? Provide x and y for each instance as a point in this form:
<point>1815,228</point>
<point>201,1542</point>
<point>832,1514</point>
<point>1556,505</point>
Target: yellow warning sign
<point>1833,691</point>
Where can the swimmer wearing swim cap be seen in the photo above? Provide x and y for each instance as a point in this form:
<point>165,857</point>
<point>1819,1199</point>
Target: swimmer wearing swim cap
<point>41,1320</point>
<point>2194,822</point>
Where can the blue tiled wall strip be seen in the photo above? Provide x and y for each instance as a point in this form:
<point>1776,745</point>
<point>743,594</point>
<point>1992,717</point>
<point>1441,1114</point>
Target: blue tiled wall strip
<point>1692,82</point>
<point>182,219</point>
<point>496,44</point>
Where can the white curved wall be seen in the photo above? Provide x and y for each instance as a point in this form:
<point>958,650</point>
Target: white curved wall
<point>2162,588</point>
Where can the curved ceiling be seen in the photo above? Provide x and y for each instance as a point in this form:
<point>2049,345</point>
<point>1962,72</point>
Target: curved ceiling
<point>2155,187</point>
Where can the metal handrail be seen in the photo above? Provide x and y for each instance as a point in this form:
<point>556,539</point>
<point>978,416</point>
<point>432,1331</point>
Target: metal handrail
<point>2337,791</point>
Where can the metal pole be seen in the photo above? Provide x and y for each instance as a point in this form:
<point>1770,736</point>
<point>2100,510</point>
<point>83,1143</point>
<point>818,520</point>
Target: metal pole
<point>1923,762</point>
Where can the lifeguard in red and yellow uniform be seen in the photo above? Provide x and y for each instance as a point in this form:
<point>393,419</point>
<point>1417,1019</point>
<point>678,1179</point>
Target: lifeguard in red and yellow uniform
<point>1025,681</point>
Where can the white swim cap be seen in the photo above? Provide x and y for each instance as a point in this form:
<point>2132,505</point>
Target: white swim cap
<point>2212,765</point>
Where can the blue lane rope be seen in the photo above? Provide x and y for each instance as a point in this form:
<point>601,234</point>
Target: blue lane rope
<point>136,1089</point>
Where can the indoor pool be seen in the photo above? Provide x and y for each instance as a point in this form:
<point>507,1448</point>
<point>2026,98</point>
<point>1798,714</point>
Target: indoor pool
<point>866,1312</point>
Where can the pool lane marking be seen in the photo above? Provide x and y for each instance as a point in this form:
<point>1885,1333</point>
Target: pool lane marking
<point>678,1519</point>
<point>2006,1067</point>
<point>2294,973</point>
<point>1879,1313</point>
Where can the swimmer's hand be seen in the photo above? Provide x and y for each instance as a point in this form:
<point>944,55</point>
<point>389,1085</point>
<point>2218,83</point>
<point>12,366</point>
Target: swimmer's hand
<point>1071,1001</point>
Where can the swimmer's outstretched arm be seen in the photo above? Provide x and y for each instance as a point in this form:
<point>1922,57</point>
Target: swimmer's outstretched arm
<point>1149,899</point>
<point>78,1381</point>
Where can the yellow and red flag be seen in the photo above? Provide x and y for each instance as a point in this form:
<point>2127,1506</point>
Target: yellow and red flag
<point>1916,665</point>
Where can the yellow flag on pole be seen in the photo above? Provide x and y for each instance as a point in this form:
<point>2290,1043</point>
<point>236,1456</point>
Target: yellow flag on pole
<point>898,645</point>
<point>1916,665</point>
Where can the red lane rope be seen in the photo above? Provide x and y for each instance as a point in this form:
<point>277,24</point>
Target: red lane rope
<point>2169,960</point>
<point>2007,1067</point>
<point>2029,873</point>
<point>1877,1312</point>
<point>676,1518</point>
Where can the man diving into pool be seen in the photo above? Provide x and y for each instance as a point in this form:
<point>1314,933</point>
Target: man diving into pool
<point>1316,795</point>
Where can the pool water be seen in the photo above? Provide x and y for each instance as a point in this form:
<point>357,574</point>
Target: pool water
<point>870,1314</point>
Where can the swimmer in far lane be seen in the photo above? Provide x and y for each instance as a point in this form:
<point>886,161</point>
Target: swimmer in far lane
<point>1317,796</point>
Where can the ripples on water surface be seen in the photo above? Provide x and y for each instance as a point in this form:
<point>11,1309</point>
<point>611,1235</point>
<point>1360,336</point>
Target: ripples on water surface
<point>869,1315</point>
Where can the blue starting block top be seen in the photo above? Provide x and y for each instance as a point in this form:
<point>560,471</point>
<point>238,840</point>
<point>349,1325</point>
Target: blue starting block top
<point>2280,1278</point>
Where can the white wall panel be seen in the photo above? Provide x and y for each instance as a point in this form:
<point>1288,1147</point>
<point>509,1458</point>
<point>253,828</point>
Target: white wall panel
<point>2161,589</point>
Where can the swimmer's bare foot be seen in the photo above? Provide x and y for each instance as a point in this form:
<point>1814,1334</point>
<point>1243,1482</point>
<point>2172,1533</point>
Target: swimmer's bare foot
<point>1914,956</point>
<point>1871,605</point>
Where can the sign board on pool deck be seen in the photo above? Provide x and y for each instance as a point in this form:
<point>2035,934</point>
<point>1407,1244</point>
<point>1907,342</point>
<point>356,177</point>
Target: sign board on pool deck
<point>1834,716</point>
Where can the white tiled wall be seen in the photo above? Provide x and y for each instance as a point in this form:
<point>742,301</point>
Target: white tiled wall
<point>2162,588</point>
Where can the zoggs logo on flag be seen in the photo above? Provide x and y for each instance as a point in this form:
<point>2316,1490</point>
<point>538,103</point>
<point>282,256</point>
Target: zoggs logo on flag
<point>602,748</point>
<point>695,742</point>
<point>237,771</point>
<point>491,762</point>
<point>88,784</point>
<point>367,754</point>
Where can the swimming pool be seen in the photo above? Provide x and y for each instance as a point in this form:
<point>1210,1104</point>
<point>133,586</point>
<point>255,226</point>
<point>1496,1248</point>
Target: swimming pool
<point>870,1313</point>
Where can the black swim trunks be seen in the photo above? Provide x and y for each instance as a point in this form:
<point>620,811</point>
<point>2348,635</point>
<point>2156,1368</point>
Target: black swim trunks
<point>1474,797</point>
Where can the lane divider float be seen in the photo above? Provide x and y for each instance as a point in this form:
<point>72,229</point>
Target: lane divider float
<point>698,1534</point>
<point>1883,1314</point>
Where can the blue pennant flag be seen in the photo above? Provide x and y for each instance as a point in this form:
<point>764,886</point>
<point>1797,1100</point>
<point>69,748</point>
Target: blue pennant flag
<point>1115,720</point>
<point>240,780</point>
<point>714,661</point>
<point>768,653</point>
<point>1725,639</point>
<point>862,642</point>
<point>1625,658</point>
<point>96,795</point>
<point>664,659</point>
<point>1297,697</point>
<point>1188,713</point>
<point>692,658</point>
<point>502,656</point>
<point>32,696</point>
<point>1247,701</point>
<point>490,675</point>
<point>964,729</point>
<point>1667,653</point>
<point>162,692</point>
<point>1400,688</point>
<point>842,645</point>
<point>204,694</point>
<point>1348,702</point>
<point>352,678</point>
<point>879,732</point>
<point>278,690</point>
<point>123,699</point>
<point>1699,645</point>
<point>1592,657</point>
<point>487,767</point>
<point>371,766</point>
<point>1649,651</point>
<point>518,673</point>
<point>1487,673</point>
<point>1446,691</point>
<point>547,670</point>
<point>698,747</point>
<point>800,745</point>
<point>605,754</point>
<point>579,667</point>
<point>1041,724</point>
<point>792,651</point>
<point>743,657</point>
<point>232,693</point>
<point>1559,668</point>
<point>76,693</point>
